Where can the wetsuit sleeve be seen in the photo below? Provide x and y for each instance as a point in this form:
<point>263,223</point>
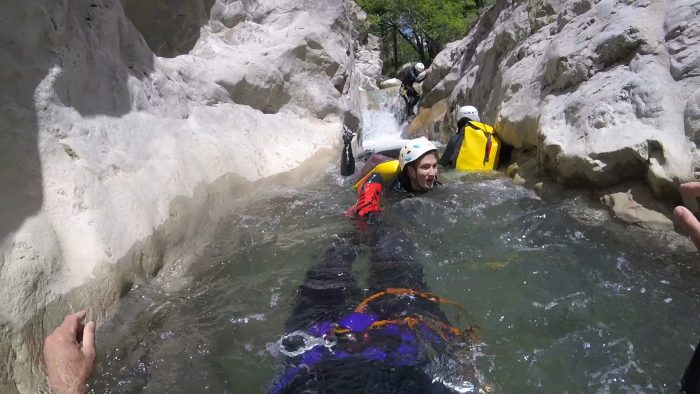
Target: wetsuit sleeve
<point>347,160</point>
<point>691,378</point>
<point>421,76</point>
<point>409,78</point>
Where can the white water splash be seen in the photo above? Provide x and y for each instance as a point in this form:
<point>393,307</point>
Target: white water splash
<point>381,131</point>
<point>248,319</point>
<point>309,341</point>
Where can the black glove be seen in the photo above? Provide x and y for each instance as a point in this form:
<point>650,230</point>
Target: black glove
<point>347,160</point>
<point>347,135</point>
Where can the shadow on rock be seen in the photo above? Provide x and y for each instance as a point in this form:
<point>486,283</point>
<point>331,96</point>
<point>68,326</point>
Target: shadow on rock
<point>170,27</point>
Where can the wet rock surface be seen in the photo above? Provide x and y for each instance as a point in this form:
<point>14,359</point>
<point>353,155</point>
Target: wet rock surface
<point>120,119</point>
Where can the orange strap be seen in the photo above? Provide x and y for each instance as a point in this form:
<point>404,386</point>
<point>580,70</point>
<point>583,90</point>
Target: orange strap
<point>412,321</point>
<point>406,292</point>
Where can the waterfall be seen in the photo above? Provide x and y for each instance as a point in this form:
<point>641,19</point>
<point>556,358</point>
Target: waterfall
<point>381,113</point>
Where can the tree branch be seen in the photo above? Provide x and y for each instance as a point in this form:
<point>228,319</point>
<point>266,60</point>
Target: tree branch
<point>408,39</point>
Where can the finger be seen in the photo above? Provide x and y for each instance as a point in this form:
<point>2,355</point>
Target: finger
<point>686,219</point>
<point>88,348</point>
<point>72,321</point>
<point>691,189</point>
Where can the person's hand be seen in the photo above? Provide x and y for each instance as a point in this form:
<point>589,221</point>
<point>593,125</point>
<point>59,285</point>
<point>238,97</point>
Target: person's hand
<point>347,135</point>
<point>69,354</point>
<point>686,218</point>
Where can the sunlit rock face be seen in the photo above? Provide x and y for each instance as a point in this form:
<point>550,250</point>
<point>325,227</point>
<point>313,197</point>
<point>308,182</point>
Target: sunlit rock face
<point>603,91</point>
<point>123,124</point>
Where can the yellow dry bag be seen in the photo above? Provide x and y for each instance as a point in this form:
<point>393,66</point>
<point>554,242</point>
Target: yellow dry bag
<point>480,148</point>
<point>387,167</point>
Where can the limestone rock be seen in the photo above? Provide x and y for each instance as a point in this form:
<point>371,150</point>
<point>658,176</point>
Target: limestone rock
<point>369,63</point>
<point>390,83</point>
<point>692,117</point>
<point>625,208</point>
<point>169,27</point>
<point>128,125</point>
<point>682,29</point>
<point>512,170</point>
<point>360,22</point>
<point>439,81</point>
<point>423,124</point>
<point>604,92</point>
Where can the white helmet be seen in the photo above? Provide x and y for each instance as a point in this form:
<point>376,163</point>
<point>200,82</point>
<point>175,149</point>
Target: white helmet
<point>414,150</point>
<point>419,67</point>
<point>468,112</point>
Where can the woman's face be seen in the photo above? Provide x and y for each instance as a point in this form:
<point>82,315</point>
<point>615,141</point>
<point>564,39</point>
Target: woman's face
<point>424,174</point>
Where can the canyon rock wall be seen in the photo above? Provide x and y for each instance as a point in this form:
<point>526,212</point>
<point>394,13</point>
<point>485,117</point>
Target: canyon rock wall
<point>600,92</point>
<point>124,124</point>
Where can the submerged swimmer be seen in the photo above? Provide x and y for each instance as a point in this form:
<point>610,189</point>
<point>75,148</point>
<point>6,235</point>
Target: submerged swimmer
<point>393,336</point>
<point>396,340</point>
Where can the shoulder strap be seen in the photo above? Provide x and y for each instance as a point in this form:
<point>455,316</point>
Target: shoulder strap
<point>489,136</point>
<point>487,149</point>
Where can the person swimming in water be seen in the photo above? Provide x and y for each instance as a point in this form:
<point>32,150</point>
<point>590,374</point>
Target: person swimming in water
<point>392,337</point>
<point>395,340</point>
<point>415,172</point>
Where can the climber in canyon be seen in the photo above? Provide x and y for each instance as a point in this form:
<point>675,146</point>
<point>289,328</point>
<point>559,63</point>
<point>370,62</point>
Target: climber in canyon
<point>416,74</point>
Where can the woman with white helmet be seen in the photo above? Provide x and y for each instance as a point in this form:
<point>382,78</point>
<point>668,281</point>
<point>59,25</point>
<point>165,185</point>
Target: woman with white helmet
<point>415,171</point>
<point>418,165</point>
<point>474,146</point>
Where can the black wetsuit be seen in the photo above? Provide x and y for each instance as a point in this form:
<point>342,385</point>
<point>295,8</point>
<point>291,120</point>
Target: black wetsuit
<point>410,95</point>
<point>690,383</point>
<point>389,359</point>
<point>449,157</point>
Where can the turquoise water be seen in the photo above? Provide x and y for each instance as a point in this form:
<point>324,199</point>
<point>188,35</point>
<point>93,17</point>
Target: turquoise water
<point>566,299</point>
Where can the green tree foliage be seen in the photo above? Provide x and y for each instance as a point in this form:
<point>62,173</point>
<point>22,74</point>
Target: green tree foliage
<point>425,25</point>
